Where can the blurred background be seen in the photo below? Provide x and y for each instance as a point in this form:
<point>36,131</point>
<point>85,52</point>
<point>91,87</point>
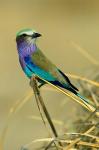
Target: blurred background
<point>63,24</point>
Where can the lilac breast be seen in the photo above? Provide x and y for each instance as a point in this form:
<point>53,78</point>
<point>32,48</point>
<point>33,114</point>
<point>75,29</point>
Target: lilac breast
<point>26,48</point>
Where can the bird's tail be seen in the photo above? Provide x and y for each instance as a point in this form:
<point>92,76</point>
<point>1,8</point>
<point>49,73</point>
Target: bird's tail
<point>85,99</point>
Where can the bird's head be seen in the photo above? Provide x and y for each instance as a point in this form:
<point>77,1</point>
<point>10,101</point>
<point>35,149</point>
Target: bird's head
<point>28,35</point>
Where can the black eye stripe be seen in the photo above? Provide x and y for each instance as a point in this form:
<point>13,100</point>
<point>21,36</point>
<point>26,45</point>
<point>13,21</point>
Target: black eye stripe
<point>21,37</point>
<point>24,35</point>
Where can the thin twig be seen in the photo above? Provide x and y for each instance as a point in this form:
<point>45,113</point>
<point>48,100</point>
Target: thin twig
<point>85,53</point>
<point>37,94</point>
<point>93,96</point>
<point>58,122</point>
<point>84,134</point>
<point>92,114</point>
<point>83,79</point>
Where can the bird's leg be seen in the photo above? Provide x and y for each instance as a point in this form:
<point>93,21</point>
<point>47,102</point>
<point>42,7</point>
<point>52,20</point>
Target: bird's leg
<point>41,85</point>
<point>32,81</point>
<point>41,82</point>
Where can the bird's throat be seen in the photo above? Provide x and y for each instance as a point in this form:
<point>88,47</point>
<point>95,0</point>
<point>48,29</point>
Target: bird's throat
<point>25,49</point>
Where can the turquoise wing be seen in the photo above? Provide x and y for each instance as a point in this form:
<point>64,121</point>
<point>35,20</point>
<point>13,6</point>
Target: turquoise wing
<point>37,70</point>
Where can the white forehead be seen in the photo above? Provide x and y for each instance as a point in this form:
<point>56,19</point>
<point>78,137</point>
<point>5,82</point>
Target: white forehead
<point>27,32</point>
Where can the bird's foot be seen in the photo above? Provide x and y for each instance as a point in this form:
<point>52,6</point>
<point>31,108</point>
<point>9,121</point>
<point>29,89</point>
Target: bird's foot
<point>33,78</point>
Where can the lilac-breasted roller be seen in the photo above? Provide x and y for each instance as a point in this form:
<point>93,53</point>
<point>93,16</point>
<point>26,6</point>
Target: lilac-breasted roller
<point>34,62</point>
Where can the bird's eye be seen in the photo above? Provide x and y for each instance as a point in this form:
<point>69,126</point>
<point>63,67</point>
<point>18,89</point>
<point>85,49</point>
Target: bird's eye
<point>24,35</point>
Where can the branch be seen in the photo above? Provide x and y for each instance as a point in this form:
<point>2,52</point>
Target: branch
<point>39,99</point>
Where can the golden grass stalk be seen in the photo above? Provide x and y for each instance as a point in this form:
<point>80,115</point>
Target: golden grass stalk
<point>83,79</point>
<point>2,138</point>
<point>94,145</point>
<point>57,122</point>
<point>85,53</point>
<point>85,134</point>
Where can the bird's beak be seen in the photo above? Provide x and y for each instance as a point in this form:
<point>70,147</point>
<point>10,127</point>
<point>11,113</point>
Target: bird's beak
<point>35,35</point>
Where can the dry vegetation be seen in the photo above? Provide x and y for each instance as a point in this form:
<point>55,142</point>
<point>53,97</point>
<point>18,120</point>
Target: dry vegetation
<point>85,135</point>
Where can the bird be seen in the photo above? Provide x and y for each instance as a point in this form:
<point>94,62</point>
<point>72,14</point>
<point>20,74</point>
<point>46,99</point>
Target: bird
<point>34,63</point>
